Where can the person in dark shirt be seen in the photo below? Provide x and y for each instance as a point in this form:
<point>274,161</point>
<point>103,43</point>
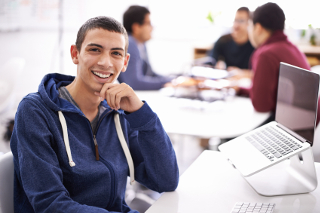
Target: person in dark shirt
<point>234,50</point>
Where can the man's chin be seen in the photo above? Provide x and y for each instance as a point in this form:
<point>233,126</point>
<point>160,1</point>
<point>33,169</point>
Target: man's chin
<point>235,34</point>
<point>97,88</point>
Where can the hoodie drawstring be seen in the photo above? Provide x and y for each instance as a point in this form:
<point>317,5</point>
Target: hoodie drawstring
<point>66,138</point>
<point>124,147</point>
<point>123,143</point>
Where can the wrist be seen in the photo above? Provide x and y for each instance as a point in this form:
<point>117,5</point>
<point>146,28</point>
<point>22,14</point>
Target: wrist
<point>135,108</point>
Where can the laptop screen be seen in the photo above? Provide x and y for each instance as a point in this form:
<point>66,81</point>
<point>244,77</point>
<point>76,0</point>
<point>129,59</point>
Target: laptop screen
<point>297,100</point>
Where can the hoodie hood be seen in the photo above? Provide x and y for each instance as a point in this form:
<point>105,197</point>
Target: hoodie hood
<point>48,90</point>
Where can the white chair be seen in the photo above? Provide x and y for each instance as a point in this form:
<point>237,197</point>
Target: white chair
<point>6,183</point>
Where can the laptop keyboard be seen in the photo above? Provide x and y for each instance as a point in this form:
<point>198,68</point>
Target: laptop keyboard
<point>272,143</point>
<point>241,207</point>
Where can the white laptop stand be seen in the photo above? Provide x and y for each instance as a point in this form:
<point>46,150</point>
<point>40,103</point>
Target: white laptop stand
<point>290,176</point>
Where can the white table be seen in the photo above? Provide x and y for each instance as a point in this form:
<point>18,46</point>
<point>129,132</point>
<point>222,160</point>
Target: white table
<point>211,184</point>
<point>223,119</point>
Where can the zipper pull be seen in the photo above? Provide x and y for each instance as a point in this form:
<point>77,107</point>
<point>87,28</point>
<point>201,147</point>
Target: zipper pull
<point>96,147</point>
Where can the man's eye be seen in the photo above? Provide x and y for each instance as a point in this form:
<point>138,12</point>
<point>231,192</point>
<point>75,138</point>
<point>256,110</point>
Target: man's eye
<point>117,53</point>
<point>94,50</point>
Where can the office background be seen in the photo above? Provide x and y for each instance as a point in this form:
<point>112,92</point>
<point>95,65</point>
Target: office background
<point>41,31</point>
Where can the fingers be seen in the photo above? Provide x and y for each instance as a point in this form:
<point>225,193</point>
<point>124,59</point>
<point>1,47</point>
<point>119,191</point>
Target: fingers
<point>104,89</point>
<point>111,97</point>
<point>117,99</point>
<point>113,94</point>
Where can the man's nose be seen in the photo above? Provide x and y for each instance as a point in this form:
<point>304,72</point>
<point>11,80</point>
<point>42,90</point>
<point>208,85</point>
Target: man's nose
<point>105,60</point>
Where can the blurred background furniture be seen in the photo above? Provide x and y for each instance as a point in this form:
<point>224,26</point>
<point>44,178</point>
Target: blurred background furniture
<point>10,74</point>
<point>6,183</point>
<point>222,118</point>
<point>312,52</point>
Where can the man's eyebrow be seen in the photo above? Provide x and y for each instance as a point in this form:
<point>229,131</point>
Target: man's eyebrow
<point>95,45</point>
<point>117,48</point>
<point>98,45</point>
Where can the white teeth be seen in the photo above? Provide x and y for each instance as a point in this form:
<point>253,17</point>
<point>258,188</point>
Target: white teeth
<point>102,75</point>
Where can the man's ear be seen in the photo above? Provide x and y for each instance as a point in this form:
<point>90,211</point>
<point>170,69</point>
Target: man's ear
<point>258,27</point>
<point>74,54</point>
<point>126,62</point>
<point>135,27</point>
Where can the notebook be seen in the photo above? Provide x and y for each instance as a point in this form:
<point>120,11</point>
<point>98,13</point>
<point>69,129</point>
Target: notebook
<point>292,131</point>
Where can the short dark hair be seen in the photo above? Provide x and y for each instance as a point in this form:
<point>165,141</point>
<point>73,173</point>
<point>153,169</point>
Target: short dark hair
<point>244,9</point>
<point>270,16</point>
<point>102,22</point>
<point>134,14</point>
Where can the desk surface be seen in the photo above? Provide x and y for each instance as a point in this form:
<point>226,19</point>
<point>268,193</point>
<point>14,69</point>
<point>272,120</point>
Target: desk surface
<point>224,119</point>
<point>211,184</point>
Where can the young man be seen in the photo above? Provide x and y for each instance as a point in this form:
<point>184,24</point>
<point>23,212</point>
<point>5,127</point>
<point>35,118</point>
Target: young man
<point>266,34</point>
<point>234,50</point>
<point>67,154</point>
<point>140,75</point>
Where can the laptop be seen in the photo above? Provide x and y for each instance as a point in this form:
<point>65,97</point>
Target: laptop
<point>291,133</point>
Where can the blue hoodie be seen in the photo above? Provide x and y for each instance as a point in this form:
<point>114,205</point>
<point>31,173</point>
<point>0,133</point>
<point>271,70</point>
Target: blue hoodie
<point>46,182</point>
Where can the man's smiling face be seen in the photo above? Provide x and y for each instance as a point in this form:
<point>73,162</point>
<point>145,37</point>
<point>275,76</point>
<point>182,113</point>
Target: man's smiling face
<point>101,59</point>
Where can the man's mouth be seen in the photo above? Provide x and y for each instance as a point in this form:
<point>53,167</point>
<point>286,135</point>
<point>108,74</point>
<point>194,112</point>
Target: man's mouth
<point>100,75</point>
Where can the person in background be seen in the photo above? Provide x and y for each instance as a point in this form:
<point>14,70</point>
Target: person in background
<point>67,154</point>
<point>233,51</point>
<point>139,74</point>
<point>272,47</point>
